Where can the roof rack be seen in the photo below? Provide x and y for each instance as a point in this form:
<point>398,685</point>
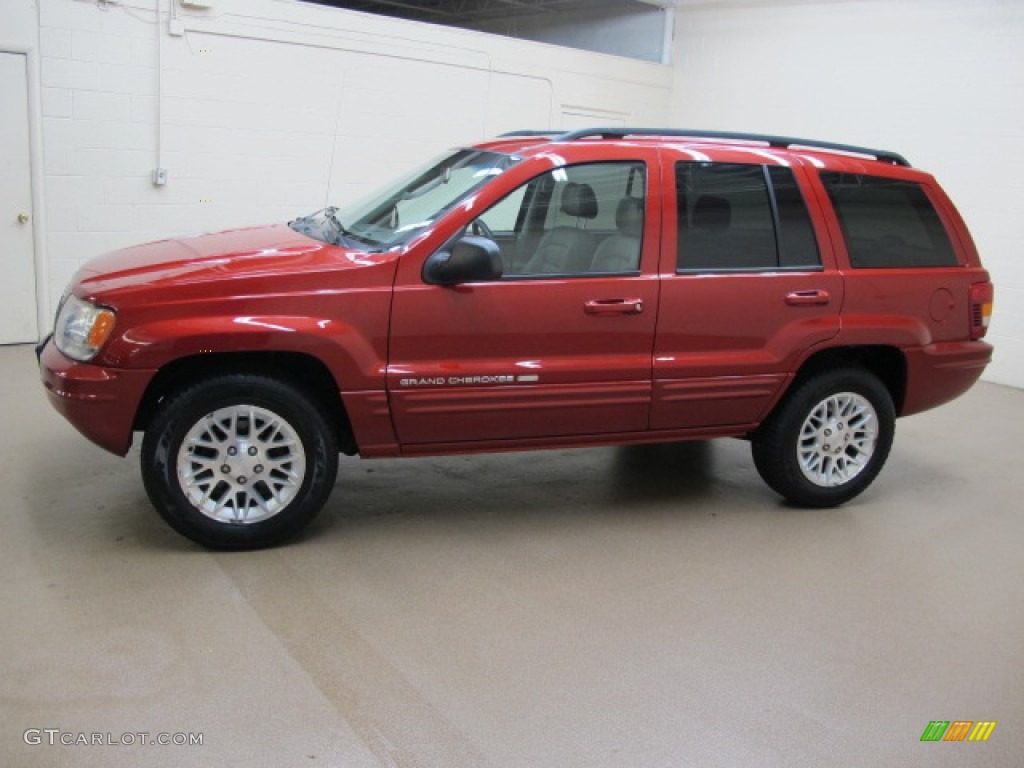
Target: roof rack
<point>780,142</point>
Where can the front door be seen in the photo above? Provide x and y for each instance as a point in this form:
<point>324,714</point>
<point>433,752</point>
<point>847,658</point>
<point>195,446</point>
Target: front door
<point>561,345</point>
<point>18,322</point>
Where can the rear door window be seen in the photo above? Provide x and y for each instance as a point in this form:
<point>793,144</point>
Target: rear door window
<point>742,217</point>
<point>888,223</point>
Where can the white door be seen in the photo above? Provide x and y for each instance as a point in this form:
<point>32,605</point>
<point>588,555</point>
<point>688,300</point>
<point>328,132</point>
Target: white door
<point>17,264</point>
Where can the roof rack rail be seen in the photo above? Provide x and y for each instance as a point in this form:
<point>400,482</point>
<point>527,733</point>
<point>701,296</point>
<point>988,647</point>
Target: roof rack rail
<point>780,142</point>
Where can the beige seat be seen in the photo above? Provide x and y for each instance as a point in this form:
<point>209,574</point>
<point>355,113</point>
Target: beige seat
<point>566,250</point>
<point>621,251</point>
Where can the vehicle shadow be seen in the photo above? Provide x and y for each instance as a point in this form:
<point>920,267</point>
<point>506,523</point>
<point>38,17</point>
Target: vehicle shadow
<point>662,471</point>
<point>616,481</point>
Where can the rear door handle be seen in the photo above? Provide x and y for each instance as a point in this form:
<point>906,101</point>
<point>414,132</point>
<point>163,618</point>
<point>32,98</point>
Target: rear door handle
<point>807,298</point>
<point>614,307</point>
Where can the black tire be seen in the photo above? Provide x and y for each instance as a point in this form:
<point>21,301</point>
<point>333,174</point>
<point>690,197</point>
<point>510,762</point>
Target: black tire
<point>281,473</point>
<point>785,458</point>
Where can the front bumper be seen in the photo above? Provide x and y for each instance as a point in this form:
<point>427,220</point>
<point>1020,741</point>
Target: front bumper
<point>100,402</point>
<point>41,346</point>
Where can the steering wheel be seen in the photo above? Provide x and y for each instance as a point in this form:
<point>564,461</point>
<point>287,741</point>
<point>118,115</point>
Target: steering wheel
<point>478,227</point>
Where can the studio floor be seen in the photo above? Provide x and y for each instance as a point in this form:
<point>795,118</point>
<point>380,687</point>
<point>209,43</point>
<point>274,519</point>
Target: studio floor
<point>633,607</point>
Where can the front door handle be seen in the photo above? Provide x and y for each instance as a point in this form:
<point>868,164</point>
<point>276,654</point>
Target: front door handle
<point>614,307</point>
<point>808,298</point>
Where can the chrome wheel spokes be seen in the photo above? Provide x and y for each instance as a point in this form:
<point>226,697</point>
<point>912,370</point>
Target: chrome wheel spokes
<point>837,439</point>
<point>241,464</point>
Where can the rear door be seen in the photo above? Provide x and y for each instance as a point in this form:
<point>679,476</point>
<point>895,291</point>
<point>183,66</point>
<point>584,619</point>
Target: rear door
<point>558,349</point>
<point>746,291</point>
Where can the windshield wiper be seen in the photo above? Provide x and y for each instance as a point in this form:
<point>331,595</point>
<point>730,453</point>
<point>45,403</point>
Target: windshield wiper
<point>326,226</point>
<point>331,214</point>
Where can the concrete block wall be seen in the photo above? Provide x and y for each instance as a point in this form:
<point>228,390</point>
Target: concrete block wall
<point>261,110</point>
<point>938,80</point>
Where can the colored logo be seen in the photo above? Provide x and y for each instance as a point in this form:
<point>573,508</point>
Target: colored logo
<point>958,730</point>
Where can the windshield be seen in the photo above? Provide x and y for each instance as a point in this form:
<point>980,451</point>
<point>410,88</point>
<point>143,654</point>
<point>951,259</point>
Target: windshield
<point>394,215</point>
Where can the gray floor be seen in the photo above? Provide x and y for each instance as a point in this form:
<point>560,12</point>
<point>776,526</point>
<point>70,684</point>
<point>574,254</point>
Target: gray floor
<point>610,607</point>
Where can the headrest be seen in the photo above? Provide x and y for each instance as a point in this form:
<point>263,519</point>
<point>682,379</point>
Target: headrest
<point>629,216</point>
<point>712,213</point>
<point>579,200</point>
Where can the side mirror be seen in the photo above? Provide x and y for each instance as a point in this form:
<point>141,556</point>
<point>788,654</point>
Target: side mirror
<point>470,259</point>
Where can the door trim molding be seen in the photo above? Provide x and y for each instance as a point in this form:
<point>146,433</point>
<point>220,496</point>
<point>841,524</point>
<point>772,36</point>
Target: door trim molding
<point>35,150</point>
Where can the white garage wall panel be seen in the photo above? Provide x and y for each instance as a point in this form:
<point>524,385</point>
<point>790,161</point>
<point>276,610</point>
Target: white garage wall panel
<point>261,110</point>
<point>937,80</point>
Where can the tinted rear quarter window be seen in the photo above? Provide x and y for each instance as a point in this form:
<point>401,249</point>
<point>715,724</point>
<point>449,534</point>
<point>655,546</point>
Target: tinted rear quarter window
<point>888,223</point>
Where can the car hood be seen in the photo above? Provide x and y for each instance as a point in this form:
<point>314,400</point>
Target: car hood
<point>254,252</point>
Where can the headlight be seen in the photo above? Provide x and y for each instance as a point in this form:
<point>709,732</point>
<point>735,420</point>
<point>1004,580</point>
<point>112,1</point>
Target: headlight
<point>82,328</point>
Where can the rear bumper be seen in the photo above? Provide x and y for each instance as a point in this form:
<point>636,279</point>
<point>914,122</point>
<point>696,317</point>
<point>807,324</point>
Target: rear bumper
<point>938,373</point>
<point>101,403</point>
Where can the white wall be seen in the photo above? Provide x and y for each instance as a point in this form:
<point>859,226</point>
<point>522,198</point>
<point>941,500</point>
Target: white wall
<point>940,81</point>
<point>261,110</point>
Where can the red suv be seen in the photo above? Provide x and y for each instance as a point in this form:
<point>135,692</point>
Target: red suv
<point>607,286</point>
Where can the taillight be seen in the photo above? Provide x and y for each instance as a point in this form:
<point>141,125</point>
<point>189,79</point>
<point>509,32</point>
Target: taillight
<point>981,308</point>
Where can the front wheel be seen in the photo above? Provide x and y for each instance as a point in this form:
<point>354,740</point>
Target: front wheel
<point>827,441</point>
<point>239,461</point>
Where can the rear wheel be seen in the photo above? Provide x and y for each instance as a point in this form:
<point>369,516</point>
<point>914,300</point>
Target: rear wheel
<point>828,439</point>
<point>239,461</point>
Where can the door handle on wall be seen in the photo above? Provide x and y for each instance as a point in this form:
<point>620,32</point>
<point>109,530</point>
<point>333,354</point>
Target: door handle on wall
<point>614,307</point>
<point>807,298</point>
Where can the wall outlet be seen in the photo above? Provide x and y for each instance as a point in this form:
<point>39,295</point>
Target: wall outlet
<point>159,177</point>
